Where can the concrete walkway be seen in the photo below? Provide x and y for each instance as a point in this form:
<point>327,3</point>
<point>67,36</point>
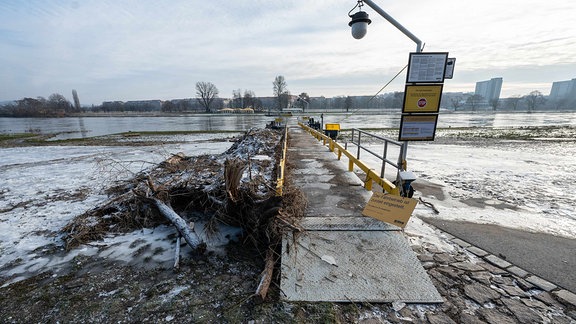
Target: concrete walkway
<point>344,256</point>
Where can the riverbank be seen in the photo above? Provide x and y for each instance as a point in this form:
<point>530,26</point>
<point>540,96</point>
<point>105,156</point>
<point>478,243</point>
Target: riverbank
<point>42,188</point>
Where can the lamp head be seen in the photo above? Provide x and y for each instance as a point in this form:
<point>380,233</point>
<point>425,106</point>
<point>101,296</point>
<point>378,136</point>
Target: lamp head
<point>359,24</point>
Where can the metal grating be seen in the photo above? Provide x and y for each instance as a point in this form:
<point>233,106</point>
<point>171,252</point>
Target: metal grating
<point>353,266</point>
<point>350,223</point>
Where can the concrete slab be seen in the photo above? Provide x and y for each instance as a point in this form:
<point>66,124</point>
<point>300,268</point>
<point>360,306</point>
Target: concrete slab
<point>353,266</point>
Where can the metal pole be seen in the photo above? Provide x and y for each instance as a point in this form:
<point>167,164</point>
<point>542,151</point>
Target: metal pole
<point>396,24</point>
<point>416,40</point>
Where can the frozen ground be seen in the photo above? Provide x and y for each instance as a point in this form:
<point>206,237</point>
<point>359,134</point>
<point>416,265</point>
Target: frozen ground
<point>496,176</point>
<point>43,188</point>
<point>518,183</point>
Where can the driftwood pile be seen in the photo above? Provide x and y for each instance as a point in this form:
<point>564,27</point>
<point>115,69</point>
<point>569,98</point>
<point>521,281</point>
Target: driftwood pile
<point>236,188</point>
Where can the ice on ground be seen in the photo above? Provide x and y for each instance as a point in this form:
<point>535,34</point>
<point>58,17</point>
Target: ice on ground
<point>527,185</point>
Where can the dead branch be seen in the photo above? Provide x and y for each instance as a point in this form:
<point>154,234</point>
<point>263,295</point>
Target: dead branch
<point>189,235</point>
<point>266,276</point>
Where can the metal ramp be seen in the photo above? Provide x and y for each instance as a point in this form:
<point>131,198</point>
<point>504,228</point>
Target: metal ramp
<point>352,259</point>
<point>343,256</point>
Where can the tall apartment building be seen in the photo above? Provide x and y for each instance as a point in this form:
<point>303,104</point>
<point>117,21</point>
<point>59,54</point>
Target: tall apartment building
<point>489,90</point>
<point>563,90</point>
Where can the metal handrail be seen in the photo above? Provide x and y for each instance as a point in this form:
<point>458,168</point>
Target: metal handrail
<point>399,165</point>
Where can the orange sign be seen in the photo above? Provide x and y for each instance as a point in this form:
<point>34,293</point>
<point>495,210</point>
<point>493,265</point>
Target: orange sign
<point>422,98</point>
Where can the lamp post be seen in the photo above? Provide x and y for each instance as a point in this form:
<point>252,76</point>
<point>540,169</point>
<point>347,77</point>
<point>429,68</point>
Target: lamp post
<point>359,25</point>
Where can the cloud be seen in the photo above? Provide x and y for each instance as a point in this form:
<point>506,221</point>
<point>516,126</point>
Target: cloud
<point>147,49</point>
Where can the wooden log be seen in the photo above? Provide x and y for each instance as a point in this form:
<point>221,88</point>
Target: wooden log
<point>266,278</point>
<point>189,235</point>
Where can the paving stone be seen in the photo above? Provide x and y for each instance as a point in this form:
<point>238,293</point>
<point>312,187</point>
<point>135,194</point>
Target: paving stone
<point>523,313</point>
<point>477,251</point>
<point>443,258</point>
<point>440,318</point>
<point>470,319</point>
<point>565,296</point>
<point>468,266</point>
<point>428,265</point>
<point>497,261</point>
<point>572,314</point>
<point>547,299</point>
<point>505,281</point>
<point>494,270</point>
<point>541,283</point>
<point>514,291</point>
<point>561,319</point>
<point>451,272</point>
<point>425,257</point>
<point>445,281</point>
<point>462,243</point>
<point>523,284</point>
<point>518,271</point>
<point>483,277</point>
<point>534,303</point>
<point>493,316</point>
<point>480,293</point>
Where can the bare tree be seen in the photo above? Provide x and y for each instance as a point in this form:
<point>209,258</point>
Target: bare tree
<point>348,103</point>
<point>280,90</point>
<point>456,102</point>
<point>237,99</point>
<point>474,101</point>
<point>206,92</point>
<point>534,99</point>
<point>249,99</point>
<point>58,104</point>
<point>494,103</point>
<point>514,101</point>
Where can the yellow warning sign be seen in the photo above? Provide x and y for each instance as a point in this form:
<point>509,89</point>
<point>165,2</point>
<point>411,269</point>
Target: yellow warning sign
<point>391,209</point>
<point>423,98</point>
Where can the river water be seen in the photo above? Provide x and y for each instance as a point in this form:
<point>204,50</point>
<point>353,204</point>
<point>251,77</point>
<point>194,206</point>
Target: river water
<point>78,127</point>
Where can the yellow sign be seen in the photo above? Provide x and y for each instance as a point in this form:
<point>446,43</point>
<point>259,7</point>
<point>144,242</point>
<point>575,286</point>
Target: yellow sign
<point>422,98</point>
<point>391,209</point>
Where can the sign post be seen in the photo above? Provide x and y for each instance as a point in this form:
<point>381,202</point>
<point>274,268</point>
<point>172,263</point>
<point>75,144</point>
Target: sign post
<point>423,94</point>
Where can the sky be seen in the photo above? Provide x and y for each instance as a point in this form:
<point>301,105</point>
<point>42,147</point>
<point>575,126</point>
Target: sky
<point>142,50</point>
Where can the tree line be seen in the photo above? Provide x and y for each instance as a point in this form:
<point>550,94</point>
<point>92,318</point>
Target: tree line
<point>55,106</point>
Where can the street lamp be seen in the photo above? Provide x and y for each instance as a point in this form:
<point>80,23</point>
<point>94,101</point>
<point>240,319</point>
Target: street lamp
<point>359,25</point>
<point>360,22</point>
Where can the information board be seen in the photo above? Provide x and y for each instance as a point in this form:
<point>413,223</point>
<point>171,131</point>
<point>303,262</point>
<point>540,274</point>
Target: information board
<point>421,127</point>
<point>423,98</point>
<point>426,67</point>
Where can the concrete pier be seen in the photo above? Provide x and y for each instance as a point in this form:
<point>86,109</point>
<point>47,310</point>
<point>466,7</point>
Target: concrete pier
<point>344,256</point>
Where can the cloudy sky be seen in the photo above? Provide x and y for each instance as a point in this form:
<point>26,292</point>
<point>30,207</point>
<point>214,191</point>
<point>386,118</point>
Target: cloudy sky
<point>155,49</point>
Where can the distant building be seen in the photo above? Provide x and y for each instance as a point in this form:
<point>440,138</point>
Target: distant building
<point>563,90</point>
<point>489,90</point>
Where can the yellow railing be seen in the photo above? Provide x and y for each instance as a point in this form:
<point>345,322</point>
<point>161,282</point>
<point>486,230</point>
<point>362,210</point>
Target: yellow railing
<point>371,175</point>
<point>282,164</point>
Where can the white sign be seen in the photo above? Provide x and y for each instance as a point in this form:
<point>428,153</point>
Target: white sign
<point>450,64</point>
<point>426,67</point>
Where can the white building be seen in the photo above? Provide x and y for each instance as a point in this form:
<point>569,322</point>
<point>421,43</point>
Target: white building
<point>563,90</point>
<point>489,90</point>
